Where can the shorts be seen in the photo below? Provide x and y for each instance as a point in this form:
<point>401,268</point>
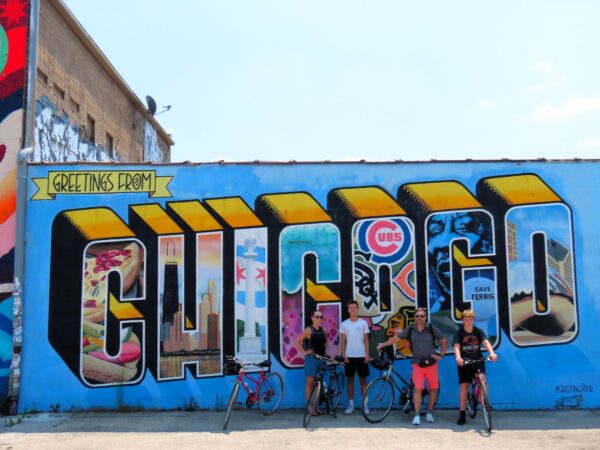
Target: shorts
<point>466,373</point>
<point>312,365</point>
<point>420,374</point>
<point>357,365</point>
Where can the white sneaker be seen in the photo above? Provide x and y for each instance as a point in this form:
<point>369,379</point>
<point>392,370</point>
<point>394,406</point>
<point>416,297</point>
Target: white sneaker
<point>366,410</point>
<point>417,420</point>
<point>429,417</point>
<point>349,409</point>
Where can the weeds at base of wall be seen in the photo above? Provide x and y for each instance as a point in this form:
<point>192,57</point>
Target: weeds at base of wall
<point>191,405</point>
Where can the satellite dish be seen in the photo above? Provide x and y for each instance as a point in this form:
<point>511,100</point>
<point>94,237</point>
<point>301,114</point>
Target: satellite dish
<point>151,105</point>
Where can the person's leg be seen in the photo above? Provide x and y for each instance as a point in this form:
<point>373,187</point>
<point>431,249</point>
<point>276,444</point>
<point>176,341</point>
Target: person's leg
<point>418,379</point>
<point>363,385</point>
<point>431,374</point>
<point>462,399</point>
<point>462,403</point>
<point>350,389</point>
<point>465,375</point>
<point>309,384</point>
<point>418,397</point>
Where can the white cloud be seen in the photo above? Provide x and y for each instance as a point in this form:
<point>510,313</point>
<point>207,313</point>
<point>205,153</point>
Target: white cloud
<point>550,76</point>
<point>543,67</point>
<point>589,143</point>
<point>482,104</point>
<point>573,107</point>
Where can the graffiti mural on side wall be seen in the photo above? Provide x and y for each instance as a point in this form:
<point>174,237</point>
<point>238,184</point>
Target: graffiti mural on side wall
<point>56,139</point>
<point>146,291</point>
<point>13,47</point>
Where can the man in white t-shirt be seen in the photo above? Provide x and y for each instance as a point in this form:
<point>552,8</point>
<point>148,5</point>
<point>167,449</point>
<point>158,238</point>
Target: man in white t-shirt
<point>355,350</point>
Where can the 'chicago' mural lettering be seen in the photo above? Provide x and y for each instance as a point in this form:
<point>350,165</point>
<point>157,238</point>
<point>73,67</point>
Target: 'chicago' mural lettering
<point>181,285</point>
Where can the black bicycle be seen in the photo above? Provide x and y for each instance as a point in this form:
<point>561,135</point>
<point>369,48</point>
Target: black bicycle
<point>478,393</point>
<point>381,392</point>
<point>327,388</point>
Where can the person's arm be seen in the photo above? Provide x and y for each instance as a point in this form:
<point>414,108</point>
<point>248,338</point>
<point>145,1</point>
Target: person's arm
<point>366,336</point>
<point>444,346</point>
<point>443,343</point>
<point>304,335</point>
<point>459,359</point>
<point>490,349</point>
<point>395,338</point>
<point>343,333</point>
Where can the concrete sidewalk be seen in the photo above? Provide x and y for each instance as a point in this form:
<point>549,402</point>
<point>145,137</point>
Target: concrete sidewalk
<point>248,429</point>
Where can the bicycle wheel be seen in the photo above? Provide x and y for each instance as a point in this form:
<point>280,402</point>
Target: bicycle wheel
<point>270,393</point>
<point>378,400</point>
<point>471,401</point>
<point>485,406</point>
<point>424,397</point>
<point>312,403</point>
<point>336,388</point>
<point>232,399</point>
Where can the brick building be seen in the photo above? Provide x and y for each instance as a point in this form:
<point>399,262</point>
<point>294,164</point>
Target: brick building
<point>84,110</point>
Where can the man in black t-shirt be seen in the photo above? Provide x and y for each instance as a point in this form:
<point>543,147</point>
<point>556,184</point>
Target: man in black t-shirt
<point>467,344</point>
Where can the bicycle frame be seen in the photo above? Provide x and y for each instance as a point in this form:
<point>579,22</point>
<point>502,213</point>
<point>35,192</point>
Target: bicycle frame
<point>476,384</point>
<point>395,378</point>
<point>321,392</point>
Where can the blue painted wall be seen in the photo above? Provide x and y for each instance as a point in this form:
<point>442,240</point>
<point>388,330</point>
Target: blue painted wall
<point>190,265</point>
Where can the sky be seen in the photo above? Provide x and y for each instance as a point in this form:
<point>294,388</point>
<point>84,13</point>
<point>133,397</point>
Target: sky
<point>346,80</point>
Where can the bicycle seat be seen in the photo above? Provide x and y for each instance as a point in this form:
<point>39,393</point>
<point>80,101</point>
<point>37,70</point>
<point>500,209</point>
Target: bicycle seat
<point>339,358</point>
<point>266,363</point>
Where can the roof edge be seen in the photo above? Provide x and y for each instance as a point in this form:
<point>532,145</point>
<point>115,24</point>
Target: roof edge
<point>91,45</point>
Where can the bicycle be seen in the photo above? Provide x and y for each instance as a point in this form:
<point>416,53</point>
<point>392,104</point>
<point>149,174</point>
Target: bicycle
<point>266,391</point>
<point>328,391</point>
<point>380,393</point>
<point>478,393</point>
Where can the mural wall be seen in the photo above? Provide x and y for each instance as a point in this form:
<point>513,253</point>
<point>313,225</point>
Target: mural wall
<point>13,47</point>
<point>140,281</point>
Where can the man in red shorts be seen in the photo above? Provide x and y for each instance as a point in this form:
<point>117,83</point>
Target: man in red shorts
<point>422,338</point>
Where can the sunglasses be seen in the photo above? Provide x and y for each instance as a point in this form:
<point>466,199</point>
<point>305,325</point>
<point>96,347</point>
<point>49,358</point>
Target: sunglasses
<point>420,316</point>
<point>318,317</point>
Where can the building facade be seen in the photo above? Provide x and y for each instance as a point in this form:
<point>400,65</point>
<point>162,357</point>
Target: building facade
<point>84,110</point>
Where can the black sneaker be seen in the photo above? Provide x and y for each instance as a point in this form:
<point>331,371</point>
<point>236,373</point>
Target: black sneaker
<point>461,420</point>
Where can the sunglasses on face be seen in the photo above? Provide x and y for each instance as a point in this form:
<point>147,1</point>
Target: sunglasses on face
<point>318,317</point>
<point>420,316</point>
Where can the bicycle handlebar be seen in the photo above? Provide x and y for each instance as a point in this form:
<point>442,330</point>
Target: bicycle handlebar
<point>475,361</point>
<point>397,356</point>
<point>339,360</point>
<point>242,362</point>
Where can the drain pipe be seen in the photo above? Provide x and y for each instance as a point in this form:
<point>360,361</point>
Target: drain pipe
<point>14,376</point>
<point>15,371</point>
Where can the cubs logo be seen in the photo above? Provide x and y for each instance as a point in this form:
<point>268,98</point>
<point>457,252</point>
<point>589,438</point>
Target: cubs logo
<point>388,240</point>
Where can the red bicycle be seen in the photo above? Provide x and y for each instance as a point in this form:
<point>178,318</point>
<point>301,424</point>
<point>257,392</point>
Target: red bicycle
<point>266,391</point>
<point>478,393</point>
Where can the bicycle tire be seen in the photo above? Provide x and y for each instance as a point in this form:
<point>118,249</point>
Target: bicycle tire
<point>230,405</point>
<point>270,393</point>
<point>471,402</point>
<point>424,397</point>
<point>336,387</point>
<point>312,403</point>
<point>378,400</point>
<point>485,406</point>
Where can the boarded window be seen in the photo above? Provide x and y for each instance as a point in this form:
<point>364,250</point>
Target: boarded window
<point>59,91</point>
<point>42,77</point>
<point>73,104</point>
<point>90,128</point>
<point>110,145</point>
